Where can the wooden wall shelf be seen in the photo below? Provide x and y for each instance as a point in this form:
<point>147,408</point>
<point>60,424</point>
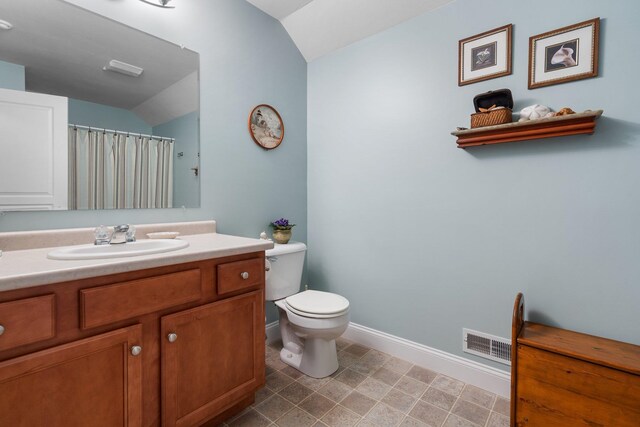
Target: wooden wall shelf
<point>573,124</point>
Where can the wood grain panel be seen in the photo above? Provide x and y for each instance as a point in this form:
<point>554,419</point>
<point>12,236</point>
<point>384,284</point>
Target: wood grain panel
<point>27,321</point>
<point>578,389</point>
<point>540,406</point>
<point>107,304</point>
<point>90,382</point>
<point>603,351</point>
<point>564,378</point>
<point>230,275</point>
<point>217,359</point>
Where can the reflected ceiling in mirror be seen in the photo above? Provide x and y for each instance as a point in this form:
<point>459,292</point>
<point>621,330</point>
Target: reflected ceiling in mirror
<point>60,49</point>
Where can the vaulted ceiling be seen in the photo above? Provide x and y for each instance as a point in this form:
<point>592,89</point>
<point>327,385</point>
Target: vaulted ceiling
<point>318,27</point>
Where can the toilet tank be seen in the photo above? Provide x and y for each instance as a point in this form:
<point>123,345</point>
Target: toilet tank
<point>284,270</point>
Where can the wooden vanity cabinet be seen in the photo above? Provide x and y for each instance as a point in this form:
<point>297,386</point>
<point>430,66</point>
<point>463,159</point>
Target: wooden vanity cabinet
<point>212,356</point>
<point>82,369</point>
<point>95,381</point>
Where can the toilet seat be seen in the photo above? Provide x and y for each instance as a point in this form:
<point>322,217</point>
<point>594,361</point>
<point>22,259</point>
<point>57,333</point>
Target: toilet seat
<point>317,304</point>
<point>314,315</point>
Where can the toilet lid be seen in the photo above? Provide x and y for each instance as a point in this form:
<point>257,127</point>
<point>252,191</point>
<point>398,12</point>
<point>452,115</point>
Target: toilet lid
<point>318,303</point>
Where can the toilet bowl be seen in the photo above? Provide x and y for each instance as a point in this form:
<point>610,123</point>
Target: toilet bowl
<point>310,321</point>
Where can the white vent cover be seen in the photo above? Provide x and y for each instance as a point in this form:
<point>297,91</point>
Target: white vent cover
<point>488,346</point>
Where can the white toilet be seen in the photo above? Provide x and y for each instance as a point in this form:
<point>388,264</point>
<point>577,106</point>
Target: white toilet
<point>310,321</point>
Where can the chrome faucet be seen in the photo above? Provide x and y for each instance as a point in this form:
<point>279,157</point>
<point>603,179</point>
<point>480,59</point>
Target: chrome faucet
<point>104,238</point>
<point>118,230</point>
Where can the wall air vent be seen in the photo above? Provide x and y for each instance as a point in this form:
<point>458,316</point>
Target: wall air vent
<point>487,346</point>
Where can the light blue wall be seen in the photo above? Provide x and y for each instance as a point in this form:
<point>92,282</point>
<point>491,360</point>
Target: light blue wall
<point>11,76</point>
<point>246,58</point>
<point>425,238</point>
<point>103,116</point>
<point>185,131</point>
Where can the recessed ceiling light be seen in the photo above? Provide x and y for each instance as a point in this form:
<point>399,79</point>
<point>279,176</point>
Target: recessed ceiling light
<point>123,68</point>
<point>5,25</point>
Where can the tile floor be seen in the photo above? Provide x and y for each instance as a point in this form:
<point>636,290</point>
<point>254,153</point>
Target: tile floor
<point>369,389</point>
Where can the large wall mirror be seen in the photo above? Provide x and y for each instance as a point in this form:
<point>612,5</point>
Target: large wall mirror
<point>94,114</point>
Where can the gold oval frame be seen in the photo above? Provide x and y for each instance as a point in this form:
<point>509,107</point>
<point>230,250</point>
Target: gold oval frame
<point>257,139</point>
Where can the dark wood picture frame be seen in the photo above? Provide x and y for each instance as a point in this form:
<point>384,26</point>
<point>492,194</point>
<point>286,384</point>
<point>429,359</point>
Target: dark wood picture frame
<point>586,69</point>
<point>504,53</point>
<point>263,130</point>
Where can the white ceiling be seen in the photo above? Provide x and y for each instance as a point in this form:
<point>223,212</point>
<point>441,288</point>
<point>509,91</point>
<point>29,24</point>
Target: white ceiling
<point>171,102</point>
<point>318,27</point>
<point>63,49</point>
<point>279,8</point>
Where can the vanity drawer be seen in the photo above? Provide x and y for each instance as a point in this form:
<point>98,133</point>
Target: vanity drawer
<point>27,321</point>
<point>112,303</point>
<point>235,276</point>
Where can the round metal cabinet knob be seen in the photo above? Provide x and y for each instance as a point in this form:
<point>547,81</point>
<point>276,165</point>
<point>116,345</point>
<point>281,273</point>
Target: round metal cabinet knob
<point>1,329</point>
<point>244,275</point>
<point>172,337</point>
<point>136,350</point>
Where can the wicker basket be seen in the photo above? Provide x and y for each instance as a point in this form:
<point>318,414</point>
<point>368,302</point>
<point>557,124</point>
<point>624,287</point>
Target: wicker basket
<point>491,118</point>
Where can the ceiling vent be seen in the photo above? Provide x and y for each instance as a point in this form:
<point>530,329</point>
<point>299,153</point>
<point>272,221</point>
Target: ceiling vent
<point>123,68</point>
<point>487,346</point>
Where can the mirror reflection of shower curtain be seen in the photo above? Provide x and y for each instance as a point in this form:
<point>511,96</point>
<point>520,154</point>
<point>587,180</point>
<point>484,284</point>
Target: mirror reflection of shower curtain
<point>110,170</point>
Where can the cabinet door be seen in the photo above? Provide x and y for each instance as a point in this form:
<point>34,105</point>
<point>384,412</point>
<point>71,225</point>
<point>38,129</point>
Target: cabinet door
<point>214,358</point>
<point>91,382</point>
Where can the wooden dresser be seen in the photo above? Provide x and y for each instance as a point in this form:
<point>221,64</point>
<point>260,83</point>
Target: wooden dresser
<point>564,378</point>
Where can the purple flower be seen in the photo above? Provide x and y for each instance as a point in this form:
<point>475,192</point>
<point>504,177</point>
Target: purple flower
<point>282,224</point>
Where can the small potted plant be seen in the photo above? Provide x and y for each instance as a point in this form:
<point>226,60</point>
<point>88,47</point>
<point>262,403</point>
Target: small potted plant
<point>282,230</point>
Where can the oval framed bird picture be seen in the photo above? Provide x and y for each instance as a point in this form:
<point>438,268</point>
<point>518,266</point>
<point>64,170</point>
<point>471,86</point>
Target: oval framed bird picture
<point>266,126</point>
<point>564,55</point>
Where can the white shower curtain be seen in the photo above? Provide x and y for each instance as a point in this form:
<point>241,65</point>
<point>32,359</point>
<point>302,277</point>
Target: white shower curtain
<point>113,170</point>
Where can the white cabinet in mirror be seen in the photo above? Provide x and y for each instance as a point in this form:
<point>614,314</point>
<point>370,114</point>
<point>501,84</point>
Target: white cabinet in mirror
<point>127,135</point>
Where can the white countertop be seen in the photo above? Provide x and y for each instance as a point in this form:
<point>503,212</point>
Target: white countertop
<point>31,267</point>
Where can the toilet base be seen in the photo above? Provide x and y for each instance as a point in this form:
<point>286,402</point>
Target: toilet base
<point>310,343</point>
<point>318,358</point>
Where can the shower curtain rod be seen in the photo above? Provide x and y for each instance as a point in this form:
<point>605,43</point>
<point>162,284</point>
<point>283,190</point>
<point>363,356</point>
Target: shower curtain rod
<point>141,135</point>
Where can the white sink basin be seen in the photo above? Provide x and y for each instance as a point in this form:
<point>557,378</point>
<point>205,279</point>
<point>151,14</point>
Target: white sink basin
<point>141,247</point>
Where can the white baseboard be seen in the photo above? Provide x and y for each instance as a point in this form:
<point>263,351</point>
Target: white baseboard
<point>468,371</point>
